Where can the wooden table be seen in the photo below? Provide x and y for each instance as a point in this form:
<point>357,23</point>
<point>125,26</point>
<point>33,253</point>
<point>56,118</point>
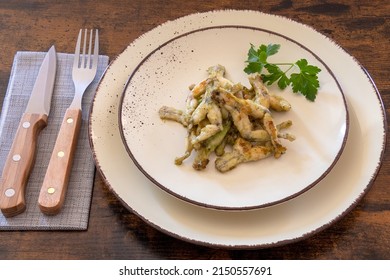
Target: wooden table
<point>115,233</point>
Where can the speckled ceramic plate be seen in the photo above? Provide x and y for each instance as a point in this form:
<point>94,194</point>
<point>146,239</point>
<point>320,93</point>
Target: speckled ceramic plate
<point>295,219</point>
<point>163,77</point>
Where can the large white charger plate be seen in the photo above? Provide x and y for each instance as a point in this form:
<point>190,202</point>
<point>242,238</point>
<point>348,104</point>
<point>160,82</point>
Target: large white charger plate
<point>293,220</point>
<point>163,77</point>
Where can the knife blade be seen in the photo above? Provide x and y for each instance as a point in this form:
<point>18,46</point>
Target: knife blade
<point>21,157</point>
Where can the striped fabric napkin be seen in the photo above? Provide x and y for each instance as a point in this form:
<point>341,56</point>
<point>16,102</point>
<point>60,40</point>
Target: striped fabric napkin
<point>75,212</point>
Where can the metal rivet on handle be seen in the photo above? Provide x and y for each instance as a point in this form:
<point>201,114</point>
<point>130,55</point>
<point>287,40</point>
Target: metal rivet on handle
<point>9,192</point>
<point>69,120</point>
<point>51,190</point>
<point>16,157</point>
<point>26,124</point>
<point>61,154</point>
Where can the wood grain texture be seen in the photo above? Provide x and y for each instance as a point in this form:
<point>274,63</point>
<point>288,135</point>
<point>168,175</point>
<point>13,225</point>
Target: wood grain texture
<point>55,184</point>
<point>19,164</point>
<point>362,28</point>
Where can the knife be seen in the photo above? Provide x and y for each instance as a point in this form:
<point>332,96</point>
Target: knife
<point>21,157</point>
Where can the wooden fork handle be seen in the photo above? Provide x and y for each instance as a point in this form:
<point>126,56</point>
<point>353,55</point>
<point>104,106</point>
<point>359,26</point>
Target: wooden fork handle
<point>19,163</point>
<point>53,190</point>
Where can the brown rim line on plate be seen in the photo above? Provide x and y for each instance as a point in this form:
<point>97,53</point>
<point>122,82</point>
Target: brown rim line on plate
<point>296,219</point>
<point>135,120</point>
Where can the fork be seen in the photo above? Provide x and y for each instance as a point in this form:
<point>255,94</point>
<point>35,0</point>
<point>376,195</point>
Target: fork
<point>53,190</point>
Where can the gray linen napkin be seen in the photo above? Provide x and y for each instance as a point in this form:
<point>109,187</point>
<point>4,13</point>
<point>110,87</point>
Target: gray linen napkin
<point>75,212</point>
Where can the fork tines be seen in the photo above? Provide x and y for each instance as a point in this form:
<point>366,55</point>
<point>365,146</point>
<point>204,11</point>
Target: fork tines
<point>89,63</point>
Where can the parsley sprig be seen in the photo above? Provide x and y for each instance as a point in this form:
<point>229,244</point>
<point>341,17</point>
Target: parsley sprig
<point>303,80</point>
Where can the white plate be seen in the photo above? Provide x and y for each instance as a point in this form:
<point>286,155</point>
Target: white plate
<point>163,77</point>
<point>290,221</point>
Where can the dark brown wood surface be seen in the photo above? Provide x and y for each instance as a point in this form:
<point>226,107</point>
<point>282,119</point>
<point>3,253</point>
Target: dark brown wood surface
<point>362,28</point>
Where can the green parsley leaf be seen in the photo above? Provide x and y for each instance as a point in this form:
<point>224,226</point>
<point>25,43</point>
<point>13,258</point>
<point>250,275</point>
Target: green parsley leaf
<point>272,49</point>
<point>252,54</point>
<point>253,68</point>
<point>257,59</point>
<point>305,81</point>
<point>283,82</point>
<point>275,74</point>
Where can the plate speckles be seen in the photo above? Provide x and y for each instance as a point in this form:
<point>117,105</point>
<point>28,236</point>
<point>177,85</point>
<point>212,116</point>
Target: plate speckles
<point>162,78</point>
<point>291,221</point>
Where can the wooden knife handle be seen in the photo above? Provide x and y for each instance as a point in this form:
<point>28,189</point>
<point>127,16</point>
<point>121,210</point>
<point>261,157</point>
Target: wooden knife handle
<point>19,164</point>
<point>52,194</point>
